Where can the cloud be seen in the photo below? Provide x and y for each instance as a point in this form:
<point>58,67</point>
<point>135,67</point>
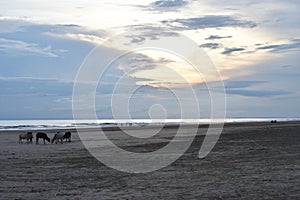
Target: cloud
<point>241,84</point>
<point>64,100</point>
<point>167,5</point>
<point>286,66</point>
<point>229,51</point>
<point>81,37</point>
<point>70,25</point>
<point>17,47</point>
<point>217,37</point>
<point>42,50</point>
<point>29,98</point>
<point>21,86</point>
<point>257,93</point>
<point>210,45</point>
<point>293,45</point>
<point>140,33</point>
<point>209,21</point>
<point>12,24</point>
<point>131,63</point>
<point>39,98</point>
<point>243,88</point>
<point>64,31</point>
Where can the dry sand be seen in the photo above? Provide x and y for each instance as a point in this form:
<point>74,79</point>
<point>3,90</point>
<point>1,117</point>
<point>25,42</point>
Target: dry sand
<point>250,161</point>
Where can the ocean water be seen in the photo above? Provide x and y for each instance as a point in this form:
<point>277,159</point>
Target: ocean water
<point>67,124</point>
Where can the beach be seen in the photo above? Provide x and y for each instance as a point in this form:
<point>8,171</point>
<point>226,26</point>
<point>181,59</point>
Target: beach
<point>250,161</point>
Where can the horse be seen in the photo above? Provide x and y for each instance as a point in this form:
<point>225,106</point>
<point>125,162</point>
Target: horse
<point>58,136</point>
<point>41,135</point>
<point>67,136</point>
<point>26,136</point>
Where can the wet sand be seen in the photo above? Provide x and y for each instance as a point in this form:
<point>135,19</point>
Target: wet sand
<point>250,161</point>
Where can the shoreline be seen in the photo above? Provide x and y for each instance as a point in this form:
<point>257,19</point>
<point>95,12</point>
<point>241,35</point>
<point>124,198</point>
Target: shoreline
<point>118,128</point>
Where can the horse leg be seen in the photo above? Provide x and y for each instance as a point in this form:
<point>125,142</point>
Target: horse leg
<point>44,141</point>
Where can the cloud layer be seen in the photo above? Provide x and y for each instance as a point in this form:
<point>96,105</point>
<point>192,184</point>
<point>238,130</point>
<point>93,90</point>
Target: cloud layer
<point>254,44</point>
<point>210,21</point>
<point>16,47</point>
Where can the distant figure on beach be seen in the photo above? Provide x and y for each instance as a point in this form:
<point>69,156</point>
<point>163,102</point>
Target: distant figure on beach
<point>67,136</point>
<point>41,135</point>
<point>58,136</point>
<point>274,121</point>
<point>26,136</point>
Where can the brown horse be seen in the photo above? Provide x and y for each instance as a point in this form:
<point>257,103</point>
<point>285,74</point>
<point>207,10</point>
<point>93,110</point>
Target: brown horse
<point>26,136</point>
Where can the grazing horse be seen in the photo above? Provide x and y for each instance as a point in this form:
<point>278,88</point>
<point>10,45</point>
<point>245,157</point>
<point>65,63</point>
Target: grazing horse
<point>67,136</point>
<point>26,136</point>
<point>41,135</point>
<point>58,136</point>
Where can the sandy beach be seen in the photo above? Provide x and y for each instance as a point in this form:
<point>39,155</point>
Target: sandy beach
<point>250,161</point>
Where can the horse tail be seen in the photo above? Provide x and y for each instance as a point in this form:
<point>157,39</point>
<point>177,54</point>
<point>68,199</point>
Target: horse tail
<point>53,138</point>
<point>47,138</point>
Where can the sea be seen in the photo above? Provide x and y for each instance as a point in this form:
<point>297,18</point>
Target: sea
<point>70,124</point>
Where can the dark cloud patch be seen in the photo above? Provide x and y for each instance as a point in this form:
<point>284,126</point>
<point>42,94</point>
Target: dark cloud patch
<point>286,66</point>
<point>140,33</point>
<point>241,84</point>
<point>69,25</point>
<point>167,5</point>
<point>295,40</point>
<point>210,21</point>
<point>268,47</point>
<point>217,37</point>
<point>138,62</point>
<point>293,45</point>
<point>229,51</point>
<point>138,39</point>
<point>210,45</point>
<point>257,93</point>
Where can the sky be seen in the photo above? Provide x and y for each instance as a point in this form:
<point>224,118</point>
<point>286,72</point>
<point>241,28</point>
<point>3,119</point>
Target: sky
<point>253,45</point>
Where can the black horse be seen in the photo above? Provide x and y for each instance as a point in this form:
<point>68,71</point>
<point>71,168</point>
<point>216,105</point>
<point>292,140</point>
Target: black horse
<point>67,136</point>
<point>42,136</point>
